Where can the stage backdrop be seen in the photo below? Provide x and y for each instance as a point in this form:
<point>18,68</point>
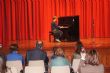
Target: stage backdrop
<point>30,19</point>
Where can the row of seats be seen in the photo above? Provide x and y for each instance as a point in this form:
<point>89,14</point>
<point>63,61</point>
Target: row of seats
<point>38,67</point>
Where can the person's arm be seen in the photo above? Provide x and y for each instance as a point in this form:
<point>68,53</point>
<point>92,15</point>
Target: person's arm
<point>55,26</point>
<point>83,55</point>
<point>46,58</point>
<point>67,63</point>
<point>22,58</point>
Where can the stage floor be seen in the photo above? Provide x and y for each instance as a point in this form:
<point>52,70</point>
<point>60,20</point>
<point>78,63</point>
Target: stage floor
<point>97,42</point>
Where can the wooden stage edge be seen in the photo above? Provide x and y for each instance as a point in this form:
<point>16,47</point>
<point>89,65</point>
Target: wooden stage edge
<point>97,42</point>
<point>88,43</point>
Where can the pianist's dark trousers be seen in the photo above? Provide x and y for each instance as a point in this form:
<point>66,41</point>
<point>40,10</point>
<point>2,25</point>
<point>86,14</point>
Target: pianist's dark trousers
<point>57,33</point>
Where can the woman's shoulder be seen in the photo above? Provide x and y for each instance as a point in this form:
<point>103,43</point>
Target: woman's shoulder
<point>59,57</point>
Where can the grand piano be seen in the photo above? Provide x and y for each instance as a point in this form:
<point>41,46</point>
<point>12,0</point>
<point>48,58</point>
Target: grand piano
<point>69,25</point>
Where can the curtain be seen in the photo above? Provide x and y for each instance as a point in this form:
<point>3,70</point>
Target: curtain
<point>31,19</point>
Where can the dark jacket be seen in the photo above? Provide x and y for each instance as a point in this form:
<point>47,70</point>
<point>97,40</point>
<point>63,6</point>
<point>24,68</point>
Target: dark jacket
<point>37,54</point>
<point>54,26</point>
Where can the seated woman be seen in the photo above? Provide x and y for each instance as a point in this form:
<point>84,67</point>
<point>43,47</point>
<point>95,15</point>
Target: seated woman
<point>79,49</point>
<point>59,59</point>
<point>79,54</point>
<point>91,64</point>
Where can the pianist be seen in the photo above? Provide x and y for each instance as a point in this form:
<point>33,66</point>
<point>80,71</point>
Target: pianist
<point>56,29</point>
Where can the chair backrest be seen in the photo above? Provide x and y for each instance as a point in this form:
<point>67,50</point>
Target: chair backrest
<point>75,64</point>
<point>12,70</point>
<point>39,63</point>
<point>17,64</point>
<point>36,63</point>
<point>60,69</point>
<point>34,69</point>
<point>92,69</point>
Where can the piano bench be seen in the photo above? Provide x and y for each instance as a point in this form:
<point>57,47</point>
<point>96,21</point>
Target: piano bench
<point>51,36</point>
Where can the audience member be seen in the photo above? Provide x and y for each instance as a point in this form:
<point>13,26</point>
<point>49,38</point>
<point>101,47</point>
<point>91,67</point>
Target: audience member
<point>79,49</point>
<point>14,55</point>
<point>91,64</point>
<point>79,53</point>
<point>59,59</point>
<point>38,54</point>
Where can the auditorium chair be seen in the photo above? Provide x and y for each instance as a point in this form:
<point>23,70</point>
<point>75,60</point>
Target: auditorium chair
<point>75,65</point>
<point>12,70</point>
<point>13,65</point>
<point>60,69</point>
<point>37,63</point>
<point>34,69</point>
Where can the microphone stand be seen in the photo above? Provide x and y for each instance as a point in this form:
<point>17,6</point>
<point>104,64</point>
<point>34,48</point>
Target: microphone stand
<point>92,26</point>
<point>92,33</point>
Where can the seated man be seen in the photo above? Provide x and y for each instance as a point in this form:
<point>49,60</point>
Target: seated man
<point>14,55</point>
<point>38,54</point>
<point>55,29</point>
